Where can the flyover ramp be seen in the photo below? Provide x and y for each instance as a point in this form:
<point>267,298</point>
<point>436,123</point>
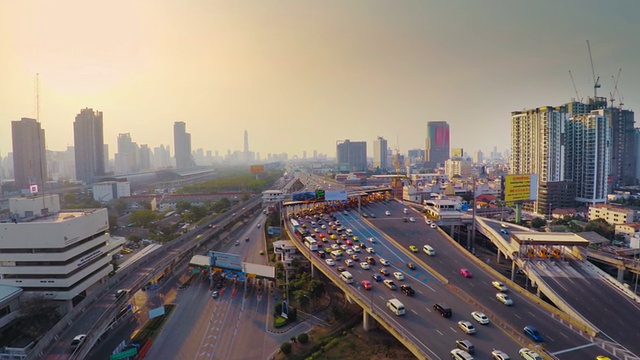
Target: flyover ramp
<point>587,294</point>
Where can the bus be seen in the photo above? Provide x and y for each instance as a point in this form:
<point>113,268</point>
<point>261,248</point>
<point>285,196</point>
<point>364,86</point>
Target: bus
<point>302,233</point>
<point>295,224</point>
<point>311,243</point>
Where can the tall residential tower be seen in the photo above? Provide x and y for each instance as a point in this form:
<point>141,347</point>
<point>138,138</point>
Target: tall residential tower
<point>182,146</point>
<point>29,160</point>
<point>380,153</point>
<point>88,139</point>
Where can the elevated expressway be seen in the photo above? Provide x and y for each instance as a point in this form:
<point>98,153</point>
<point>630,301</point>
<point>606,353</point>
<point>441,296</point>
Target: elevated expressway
<point>424,332</point>
<point>589,295</point>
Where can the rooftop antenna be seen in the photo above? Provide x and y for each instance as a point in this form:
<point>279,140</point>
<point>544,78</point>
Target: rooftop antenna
<point>596,81</point>
<point>574,87</point>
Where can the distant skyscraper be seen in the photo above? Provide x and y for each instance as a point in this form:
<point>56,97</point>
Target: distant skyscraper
<point>437,144</point>
<point>126,157</point>
<point>182,146</point>
<point>29,156</point>
<point>478,157</point>
<point>89,144</point>
<point>246,146</point>
<point>380,153</point>
<point>351,155</point>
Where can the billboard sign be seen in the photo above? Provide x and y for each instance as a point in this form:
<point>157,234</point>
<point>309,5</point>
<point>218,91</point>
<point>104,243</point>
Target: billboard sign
<point>225,260</point>
<point>320,195</point>
<point>256,169</point>
<point>335,195</point>
<point>520,187</point>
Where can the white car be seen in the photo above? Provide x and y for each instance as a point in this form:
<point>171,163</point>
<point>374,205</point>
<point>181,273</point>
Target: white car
<point>344,247</point>
<point>480,317</point>
<point>504,298</point>
<point>499,286</point>
<point>348,262</point>
<point>398,275</point>
<point>412,219</point>
<point>499,355</point>
<point>387,213</point>
<point>77,341</point>
<point>335,246</point>
<point>323,227</point>
<point>528,354</point>
<point>356,248</point>
<point>349,252</point>
<point>370,250</point>
<point>365,265</point>
<point>372,240</point>
<point>330,262</point>
<point>433,226</point>
<point>385,262</point>
<point>467,327</point>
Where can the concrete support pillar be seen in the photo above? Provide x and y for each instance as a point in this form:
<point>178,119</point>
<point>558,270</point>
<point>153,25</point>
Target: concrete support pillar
<point>469,234</point>
<point>620,276</point>
<point>314,272</point>
<point>498,257</point>
<point>451,229</point>
<point>368,323</point>
<point>538,292</point>
<point>348,298</point>
<point>513,270</point>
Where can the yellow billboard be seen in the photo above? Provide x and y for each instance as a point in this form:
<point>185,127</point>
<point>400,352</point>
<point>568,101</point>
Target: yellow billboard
<point>256,169</point>
<point>520,187</point>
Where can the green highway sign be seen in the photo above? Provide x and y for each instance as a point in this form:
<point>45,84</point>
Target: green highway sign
<point>124,354</point>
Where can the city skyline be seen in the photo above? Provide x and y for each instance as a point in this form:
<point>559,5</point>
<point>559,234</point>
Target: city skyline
<point>351,70</point>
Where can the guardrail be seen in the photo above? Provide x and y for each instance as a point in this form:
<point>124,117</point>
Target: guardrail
<point>363,303</point>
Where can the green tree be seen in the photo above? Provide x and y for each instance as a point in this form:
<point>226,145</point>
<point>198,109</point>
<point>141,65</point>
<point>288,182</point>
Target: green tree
<point>537,222</point>
<point>143,217</point>
<point>120,206</point>
<point>221,205</point>
<point>134,238</point>
<point>303,338</point>
<point>302,298</point>
<point>316,288</point>
<point>113,223</point>
<point>285,347</point>
<point>182,205</point>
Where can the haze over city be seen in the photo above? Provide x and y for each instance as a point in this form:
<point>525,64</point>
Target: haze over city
<point>299,76</point>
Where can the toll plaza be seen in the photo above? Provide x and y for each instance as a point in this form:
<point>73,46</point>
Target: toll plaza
<point>534,245</point>
<point>225,267</point>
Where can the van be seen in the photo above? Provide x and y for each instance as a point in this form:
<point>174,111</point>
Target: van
<point>349,232</point>
<point>442,309</point>
<point>396,306</point>
<point>346,277</point>
<point>336,254</point>
<point>429,250</point>
<point>405,211</point>
<point>458,354</point>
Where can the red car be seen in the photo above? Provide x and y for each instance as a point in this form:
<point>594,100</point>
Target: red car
<point>348,242</point>
<point>466,273</point>
<point>366,284</point>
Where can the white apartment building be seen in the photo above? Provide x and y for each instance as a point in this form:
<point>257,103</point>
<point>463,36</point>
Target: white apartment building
<point>110,190</point>
<point>458,166</point>
<point>285,251</point>
<point>60,254</point>
<point>612,214</point>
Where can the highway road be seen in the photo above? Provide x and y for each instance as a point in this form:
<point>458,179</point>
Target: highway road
<point>605,306</point>
<point>234,326</point>
<point>432,333</point>
<point>448,262</point>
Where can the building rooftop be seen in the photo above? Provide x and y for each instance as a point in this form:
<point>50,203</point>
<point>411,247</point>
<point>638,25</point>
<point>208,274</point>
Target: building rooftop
<point>62,216</point>
<point>7,292</point>
<point>539,238</point>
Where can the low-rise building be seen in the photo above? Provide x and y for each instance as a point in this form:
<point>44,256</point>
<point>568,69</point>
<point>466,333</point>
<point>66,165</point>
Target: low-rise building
<point>285,251</point>
<point>111,190</point>
<point>628,230</point>
<point>9,304</point>
<point>272,196</point>
<point>611,214</point>
<point>54,253</point>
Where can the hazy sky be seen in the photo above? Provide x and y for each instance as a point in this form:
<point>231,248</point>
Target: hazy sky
<point>299,75</point>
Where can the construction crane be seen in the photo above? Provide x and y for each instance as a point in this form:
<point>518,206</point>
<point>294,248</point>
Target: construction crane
<point>574,87</point>
<point>616,91</point>
<point>596,81</point>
